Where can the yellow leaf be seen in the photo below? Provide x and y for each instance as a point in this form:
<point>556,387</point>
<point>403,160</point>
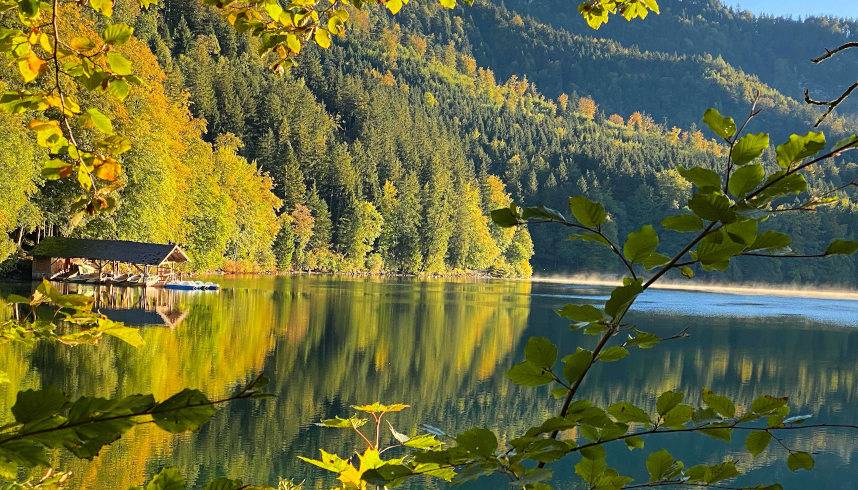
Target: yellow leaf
<point>45,42</point>
<point>323,39</point>
<point>378,407</point>
<point>126,334</point>
<point>293,43</point>
<point>32,67</point>
<point>108,170</point>
<point>393,5</point>
<point>83,178</point>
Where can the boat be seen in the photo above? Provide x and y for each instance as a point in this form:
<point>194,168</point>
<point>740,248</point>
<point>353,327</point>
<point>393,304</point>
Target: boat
<point>183,285</point>
<point>64,275</point>
<point>151,281</point>
<point>81,278</point>
<point>192,286</point>
<point>116,279</point>
<point>133,280</point>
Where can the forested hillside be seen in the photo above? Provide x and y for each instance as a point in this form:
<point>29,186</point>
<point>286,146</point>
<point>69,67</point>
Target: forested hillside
<point>388,150</point>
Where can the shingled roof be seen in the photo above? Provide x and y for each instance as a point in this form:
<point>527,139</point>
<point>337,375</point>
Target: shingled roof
<point>119,250</point>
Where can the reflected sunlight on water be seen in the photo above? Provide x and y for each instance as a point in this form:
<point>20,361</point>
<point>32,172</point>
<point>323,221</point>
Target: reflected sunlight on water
<point>442,346</point>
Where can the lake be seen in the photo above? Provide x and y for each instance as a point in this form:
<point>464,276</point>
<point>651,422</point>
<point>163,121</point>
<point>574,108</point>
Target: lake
<point>441,346</point>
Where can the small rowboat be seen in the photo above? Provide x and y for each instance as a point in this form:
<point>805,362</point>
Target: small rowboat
<point>192,286</point>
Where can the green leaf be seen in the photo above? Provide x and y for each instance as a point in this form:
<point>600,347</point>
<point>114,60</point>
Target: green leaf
<point>580,313</point>
<point>743,231</point>
<point>504,218</point>
<point>720,125</point>
<point>634,442</point>
<point>184,411</point>
<point>478,441</point>
<point>117,34</point>
<point>559,392</point>
<point>28,8</point>
<point>99,121</point>
<point>526,374</point>
<point>842,247</point>
<point>800,460</point>
<point>118,89</point>
<point>128,335</point>
<point>23,453</point>
<point>82,43</point>
<point>37,404</point>
<point>540,352</point>
<point>770,240</point>
<point>659,465</point>
<point>683,222</point>
<point>655,260</point>
<point>715,251</point>
<point>687,271</point>
<point>711,207</point>
<point>588,213</point>
<point>668,400</point>
<point>706,180</point>
<point>720,431</point>
<point>118,64</point>
<point>590,237</point>
<point>643,340</point>
<point>590,469</point>
<point>677,417</point>
<point>542,212</point>
<point>767,403</point>
<point>746,179</point>
<point>757,441</point>
<point>422,441</point>
<point>625,412</point>
<point>780,184</point>
<point>799,148</point>
<point>622,296</point>
<point>749,147</point>
<point>576,364</point>
<point>385,474</point>
<point>226,484</point>
<point>534,475</point>
<point>337,422</point>
<point>614,353</point>
<point>546,450</point>
<point>720,404</point>
<point>721,471</point>
<point>167,479</point>
<point>593,452</point>
<point>640,244</point>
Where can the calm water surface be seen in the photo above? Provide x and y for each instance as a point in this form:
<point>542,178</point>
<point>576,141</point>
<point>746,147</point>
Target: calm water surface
<point>441,346</point>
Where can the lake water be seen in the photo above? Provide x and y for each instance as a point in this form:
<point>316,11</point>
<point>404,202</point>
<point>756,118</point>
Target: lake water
<point>441,346</point>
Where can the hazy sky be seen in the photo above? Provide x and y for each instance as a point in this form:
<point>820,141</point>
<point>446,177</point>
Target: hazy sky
<point>840,8</point>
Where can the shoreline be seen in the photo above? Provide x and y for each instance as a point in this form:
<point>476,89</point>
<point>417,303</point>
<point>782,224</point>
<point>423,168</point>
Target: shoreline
<point>763,289</point>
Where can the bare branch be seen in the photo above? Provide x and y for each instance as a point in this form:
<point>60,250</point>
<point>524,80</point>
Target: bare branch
<point>831,52</point>
<point>830,103</point>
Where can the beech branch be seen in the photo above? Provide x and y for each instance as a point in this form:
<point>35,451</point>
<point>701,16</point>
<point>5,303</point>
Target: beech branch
<point>831,104</point>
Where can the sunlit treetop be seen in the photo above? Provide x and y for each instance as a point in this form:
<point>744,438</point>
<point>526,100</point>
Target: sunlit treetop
<point>56,58</point>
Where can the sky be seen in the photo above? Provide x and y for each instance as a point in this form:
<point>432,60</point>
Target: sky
<point>803,8</point>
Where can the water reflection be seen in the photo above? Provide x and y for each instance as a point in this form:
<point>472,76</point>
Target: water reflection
<point>441,346</point>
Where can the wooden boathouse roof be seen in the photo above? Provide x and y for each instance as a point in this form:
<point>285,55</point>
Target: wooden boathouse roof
<point>110,250</point>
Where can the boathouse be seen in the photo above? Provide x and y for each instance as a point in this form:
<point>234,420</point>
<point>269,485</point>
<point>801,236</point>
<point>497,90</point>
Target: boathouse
<point>54,255</point>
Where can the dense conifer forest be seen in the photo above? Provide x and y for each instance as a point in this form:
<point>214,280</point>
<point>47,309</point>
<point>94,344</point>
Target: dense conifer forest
<point>387,151</point>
